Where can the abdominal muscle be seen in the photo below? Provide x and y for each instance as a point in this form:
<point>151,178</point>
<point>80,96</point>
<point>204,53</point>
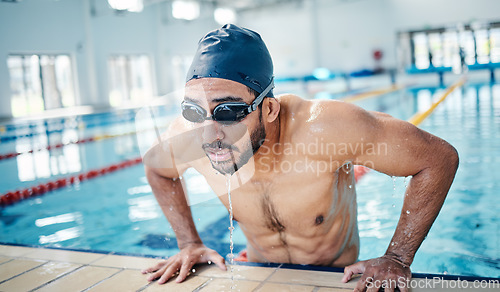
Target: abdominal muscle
<point>286,222</point>
<point>338,247</point>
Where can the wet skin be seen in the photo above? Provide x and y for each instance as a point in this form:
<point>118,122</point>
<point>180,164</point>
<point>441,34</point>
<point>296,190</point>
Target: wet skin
<point>296,203</point>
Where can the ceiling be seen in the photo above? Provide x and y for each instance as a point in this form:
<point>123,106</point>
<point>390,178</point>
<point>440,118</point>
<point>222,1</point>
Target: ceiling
<point>238,5</point>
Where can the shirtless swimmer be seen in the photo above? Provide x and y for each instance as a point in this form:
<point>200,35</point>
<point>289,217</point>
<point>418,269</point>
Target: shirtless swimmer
<point>295,199</point>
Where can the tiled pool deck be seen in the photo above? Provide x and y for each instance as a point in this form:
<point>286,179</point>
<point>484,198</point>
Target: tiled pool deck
<point>46,269</point>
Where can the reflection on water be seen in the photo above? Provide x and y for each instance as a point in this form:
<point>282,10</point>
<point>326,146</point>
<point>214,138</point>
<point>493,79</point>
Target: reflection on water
<point>143,208</point>
<point>61,235</point>
<point>42,163</point>
<point>63,218</point>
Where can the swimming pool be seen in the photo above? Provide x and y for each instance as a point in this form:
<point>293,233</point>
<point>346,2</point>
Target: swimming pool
<point>117,212</point>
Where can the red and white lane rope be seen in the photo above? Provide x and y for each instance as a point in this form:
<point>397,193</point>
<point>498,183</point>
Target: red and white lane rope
<point>12,197</point>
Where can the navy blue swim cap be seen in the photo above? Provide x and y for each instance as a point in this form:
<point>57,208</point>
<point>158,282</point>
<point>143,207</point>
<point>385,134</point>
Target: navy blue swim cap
<point>236,54</point>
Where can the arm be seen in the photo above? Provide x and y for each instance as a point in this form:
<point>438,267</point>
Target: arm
<point>170,195</point>
<point>409,151</point>
<point>432,163</point>
<point>164,162</point>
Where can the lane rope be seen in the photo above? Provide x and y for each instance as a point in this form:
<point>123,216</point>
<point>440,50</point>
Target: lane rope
<point>416,119</point>
<point>373,93</point>
<point>12,197</point>
<point>421,116</point>
<point>60,145</point>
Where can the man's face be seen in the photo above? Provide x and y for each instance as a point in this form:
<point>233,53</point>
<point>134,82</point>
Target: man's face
<point>227,146</point>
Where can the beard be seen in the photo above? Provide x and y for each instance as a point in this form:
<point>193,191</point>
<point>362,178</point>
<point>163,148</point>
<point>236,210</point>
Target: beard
<point>234,163</point>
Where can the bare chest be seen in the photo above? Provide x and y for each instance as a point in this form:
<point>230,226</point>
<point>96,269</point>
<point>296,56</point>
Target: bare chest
<point>285,203</point>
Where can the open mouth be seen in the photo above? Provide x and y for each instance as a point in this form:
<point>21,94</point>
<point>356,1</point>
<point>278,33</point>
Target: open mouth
<point>218,154</point>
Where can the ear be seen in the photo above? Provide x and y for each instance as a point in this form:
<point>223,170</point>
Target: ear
<point>271,108</point>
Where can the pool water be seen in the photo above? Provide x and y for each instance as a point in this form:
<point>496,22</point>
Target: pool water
<point>117,212</point>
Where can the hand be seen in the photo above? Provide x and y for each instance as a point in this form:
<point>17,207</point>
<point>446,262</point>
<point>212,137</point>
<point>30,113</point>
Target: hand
<point>383,272</point>
<point>183,262</point>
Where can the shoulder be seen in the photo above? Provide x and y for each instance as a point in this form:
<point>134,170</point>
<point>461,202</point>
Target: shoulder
<point>325,118</point>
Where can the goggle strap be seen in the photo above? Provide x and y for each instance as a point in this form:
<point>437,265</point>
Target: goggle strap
<point>261,96</point>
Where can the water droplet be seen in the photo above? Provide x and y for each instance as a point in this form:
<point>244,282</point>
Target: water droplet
<point>392,243</point>
<point>171,208</point>
<point>347,167</point>
<point>445,273</point>
<point>407,211</point>
<point>193,270</point>
<point>209,262</point>
<point>406,182</point>
<point>393,205</point>
<point>350,186</point>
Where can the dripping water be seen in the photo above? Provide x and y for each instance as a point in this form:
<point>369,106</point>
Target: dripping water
<point>393,189</point>
<point>231,228</point>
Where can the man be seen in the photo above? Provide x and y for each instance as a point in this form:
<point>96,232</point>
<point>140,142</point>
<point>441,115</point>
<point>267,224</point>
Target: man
<point>289,163</point>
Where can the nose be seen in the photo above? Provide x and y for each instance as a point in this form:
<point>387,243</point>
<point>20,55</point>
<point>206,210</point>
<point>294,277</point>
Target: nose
<point>212,131</point>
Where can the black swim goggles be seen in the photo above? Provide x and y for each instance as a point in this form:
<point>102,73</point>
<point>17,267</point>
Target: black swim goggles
<point>224,113</point>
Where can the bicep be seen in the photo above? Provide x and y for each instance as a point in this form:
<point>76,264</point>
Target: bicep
<point>398,148</point>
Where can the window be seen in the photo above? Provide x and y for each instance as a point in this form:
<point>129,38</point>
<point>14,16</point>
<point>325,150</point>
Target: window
<point>495,45</point>
<point>436,49</point>
<point>421,51</point>
<point>445,47</point>
<point>180,67</point>
<point>450,48</point>
<point>483,46</point>
<point>466,39</point>
<point>40,82</point>
<point>130,79</point>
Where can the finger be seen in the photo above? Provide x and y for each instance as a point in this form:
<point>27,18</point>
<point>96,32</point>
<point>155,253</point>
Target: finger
<point>169,272</point>
<point>219,261</point>
<point>154,268</point>
<point>393,283</point>
<point>373,284</point>
<point>362,283</point>
<point>186,266</point>
<point>357,268</point>
<point>157,274</point>
<point>404,287</point>
<point>373,289</point>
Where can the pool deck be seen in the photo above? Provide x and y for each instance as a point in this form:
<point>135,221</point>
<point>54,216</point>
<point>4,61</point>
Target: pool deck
<point>46,269</point>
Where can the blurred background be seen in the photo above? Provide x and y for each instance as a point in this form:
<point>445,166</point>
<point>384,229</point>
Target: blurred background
<point>60,54</point>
